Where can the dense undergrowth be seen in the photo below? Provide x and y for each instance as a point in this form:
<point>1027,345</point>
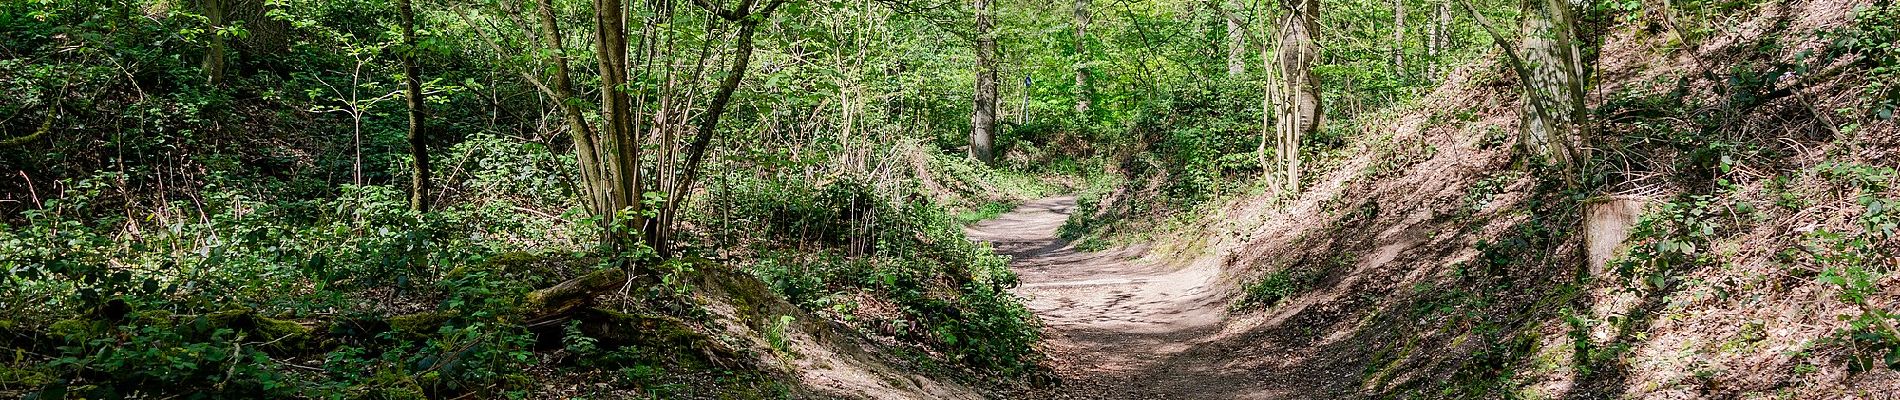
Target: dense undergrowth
<point>250,235</point>
<point>883,258</point>
<point>254,239</point>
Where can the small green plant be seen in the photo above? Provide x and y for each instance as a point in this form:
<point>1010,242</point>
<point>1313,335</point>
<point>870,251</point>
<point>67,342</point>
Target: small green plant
<point>775,334</point>
<point>1873,39</point>
<point>1092,243</point>
<point>574,341</point>
<point>1269,290</point>
<point>985,212</point>
<point>1857,263</point>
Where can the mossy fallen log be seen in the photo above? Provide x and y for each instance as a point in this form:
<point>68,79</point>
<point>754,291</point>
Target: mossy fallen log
<point>566,297</point>
<point>676,339</point>
<point>278,336</point>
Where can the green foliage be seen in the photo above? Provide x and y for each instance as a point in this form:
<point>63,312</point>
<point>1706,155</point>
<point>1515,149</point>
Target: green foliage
<point>828,244</point>
<point>1202,135</point>
<point>1856,261</point>
<point>985,212</point>
<point>775,334</point>
<point>1672,238</point>
<point>1088,217</point>
<point>1873,39</point>
<point>1269,290</point>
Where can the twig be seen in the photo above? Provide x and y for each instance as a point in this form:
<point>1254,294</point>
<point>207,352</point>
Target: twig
<point>34,193</point>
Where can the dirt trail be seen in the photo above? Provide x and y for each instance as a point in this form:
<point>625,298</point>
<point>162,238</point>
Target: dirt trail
<point>1120,325</point>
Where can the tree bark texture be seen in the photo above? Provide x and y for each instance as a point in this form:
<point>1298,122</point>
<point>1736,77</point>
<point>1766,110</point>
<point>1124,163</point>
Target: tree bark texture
<point>420,184</point>
<point>1553,81</point>
<point>983,120</point>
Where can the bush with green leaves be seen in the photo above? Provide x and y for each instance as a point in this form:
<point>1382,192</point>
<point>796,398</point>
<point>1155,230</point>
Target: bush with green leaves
<point>1873,40</point>
<point>824,243</point>
<point>1204,135</point>
<point>1269,290</point>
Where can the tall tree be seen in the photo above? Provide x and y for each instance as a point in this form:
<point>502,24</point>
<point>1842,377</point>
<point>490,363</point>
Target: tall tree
<point>620,148</point>
<point>1082,89</point>
<point>594,183</point>
<point>608,155</point>
<point>983,120</point>
<point>1554,77</point>
<point>419,181</point>
<point>214,63</point>
<point>1398,37</point>
<point>1436,36</point>
<point>748,19</point>
<point>1549,67</point>
<point>1236,41</point>
<point>1295,88</point>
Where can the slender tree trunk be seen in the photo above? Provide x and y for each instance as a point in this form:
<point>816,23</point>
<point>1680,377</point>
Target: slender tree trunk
<point>709,124</point>
<point>596,188</point>
<point>983,121</point>
<point>1398,37</point>
<point>1435,40</point>
<point>1082,89</point>
<point>214,64</point>
<point>1269,99</point>
<point>620,148</point>
<point>1236,42</point>
<point>1022,108</point>
<point>419,182</point>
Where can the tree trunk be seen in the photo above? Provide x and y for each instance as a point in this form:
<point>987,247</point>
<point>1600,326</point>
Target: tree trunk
<point>1546,61</point>
<point>1300,113</point>
<point>1436,40</point>
<point>1398,37</point>
<point>621,150</point>
<point>419,182</point>
<point>1236,42</point>
<point>1298,53</point>
<point>214,64</point>
<point>1082,90</point>
<point>983,121</point>
<point>594,186</point>
<point>709,124</point>
<point>1553,81</point>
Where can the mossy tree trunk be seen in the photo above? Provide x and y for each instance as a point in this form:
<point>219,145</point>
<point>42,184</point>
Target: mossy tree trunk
<point>1236,41</point>
<point>214,62</point>
<point>609,156</point>
<point>1548,62</point>
<point>620,185</point>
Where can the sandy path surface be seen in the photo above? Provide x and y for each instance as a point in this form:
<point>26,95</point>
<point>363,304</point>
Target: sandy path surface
<point>1119,326</point>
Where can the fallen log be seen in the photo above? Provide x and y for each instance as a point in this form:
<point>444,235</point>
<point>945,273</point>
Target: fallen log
<point>566,297</point>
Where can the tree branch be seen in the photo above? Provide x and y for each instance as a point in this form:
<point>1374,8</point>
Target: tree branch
<point>45,126</point>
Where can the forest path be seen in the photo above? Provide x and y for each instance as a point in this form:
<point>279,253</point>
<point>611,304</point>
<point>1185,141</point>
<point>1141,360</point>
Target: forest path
<point>1119,325</point>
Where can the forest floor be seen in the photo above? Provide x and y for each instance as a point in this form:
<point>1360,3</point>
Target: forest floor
<point>1119,324</point>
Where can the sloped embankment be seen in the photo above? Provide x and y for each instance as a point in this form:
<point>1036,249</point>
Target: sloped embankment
<point>1424,260</point>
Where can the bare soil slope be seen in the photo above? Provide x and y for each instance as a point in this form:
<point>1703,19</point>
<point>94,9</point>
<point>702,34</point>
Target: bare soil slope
<point>1426,262</point>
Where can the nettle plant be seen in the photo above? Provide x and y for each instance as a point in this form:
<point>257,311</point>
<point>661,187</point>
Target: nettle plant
<point>1857,262</point>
